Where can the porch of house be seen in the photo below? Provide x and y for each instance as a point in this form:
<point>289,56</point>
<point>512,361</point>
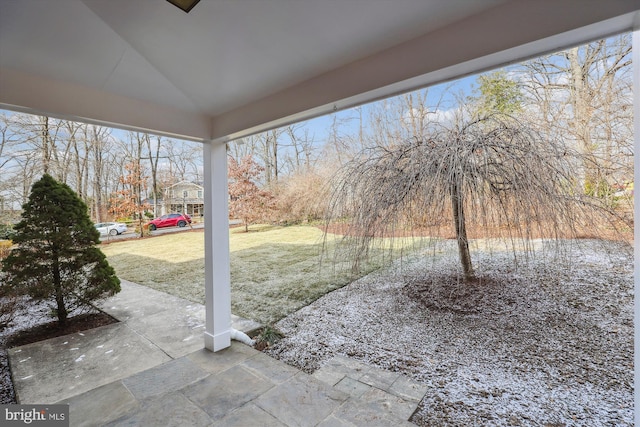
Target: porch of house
<point>151,369</point>
<point>220,73</point>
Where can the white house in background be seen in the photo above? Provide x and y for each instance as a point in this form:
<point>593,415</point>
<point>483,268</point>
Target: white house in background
<point>183,197</point>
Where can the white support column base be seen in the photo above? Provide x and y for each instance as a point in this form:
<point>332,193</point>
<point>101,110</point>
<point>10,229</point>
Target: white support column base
<point>217,342</point>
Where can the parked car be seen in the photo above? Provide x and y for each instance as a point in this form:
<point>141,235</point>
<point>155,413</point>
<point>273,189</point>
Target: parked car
<point>111,228</point>
<point>170,220</point>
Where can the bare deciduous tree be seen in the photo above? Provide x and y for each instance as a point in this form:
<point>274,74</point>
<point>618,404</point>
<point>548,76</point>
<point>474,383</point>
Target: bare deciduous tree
<point>585,93</point>
<point>128,201</point>
<point>101,159</point>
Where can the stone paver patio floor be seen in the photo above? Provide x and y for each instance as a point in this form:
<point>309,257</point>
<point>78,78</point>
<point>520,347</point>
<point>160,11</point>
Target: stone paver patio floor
<point>150,369</point>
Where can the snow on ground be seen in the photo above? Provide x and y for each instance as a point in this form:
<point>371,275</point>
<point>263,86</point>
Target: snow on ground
<point>30,315</point>
<point>550,344</point>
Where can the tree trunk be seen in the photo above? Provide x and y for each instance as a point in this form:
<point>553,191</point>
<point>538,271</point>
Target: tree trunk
<point>153,160</point>
<point>275,156</point>
<point>582,113</point>
<point>61,310</point>
<point>98,154</point>
<point>46,151</point>
<point>459,220</point>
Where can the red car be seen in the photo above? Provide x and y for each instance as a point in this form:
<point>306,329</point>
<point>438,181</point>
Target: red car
<point>170,220</point>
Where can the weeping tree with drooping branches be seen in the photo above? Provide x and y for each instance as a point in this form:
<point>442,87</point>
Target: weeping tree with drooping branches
<point>491,172</point>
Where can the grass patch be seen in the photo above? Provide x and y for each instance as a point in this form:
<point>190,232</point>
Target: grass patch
<point>274,270</point>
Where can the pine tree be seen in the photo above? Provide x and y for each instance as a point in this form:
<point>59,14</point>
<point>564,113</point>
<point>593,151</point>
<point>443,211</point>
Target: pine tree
<point>56,258</point>
<point>498,94</point>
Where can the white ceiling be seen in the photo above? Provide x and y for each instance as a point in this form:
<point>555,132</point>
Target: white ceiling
<point>230,67</point>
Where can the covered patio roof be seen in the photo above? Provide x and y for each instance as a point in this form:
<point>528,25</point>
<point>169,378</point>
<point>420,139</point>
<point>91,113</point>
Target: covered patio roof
<point>230,68</point>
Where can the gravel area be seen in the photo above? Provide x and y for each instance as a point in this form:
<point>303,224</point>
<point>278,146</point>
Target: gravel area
<point>547,344</point>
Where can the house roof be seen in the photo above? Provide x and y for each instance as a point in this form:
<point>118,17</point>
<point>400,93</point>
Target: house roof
<point>230,68</point>
<point>184,183</point>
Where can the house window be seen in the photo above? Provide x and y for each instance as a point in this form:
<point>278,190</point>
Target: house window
<point>199,194</point>
<point>185,193</point>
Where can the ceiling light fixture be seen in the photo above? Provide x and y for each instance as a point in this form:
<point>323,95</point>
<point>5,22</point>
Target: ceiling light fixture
<point>185,5</point>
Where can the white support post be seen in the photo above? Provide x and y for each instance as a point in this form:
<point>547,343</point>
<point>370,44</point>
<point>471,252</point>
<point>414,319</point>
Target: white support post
<point>217,277</point>
<point>636,210</point>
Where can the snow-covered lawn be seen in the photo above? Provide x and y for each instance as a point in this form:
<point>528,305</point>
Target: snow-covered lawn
<point>550,344</point>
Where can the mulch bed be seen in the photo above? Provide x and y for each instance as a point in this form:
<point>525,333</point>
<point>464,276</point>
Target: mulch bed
<point>446,231</point>
<point>52,330</point>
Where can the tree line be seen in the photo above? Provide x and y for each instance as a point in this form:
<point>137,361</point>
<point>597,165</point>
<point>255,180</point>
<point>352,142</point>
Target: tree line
<point>99,163</point>
<point>581,96</point>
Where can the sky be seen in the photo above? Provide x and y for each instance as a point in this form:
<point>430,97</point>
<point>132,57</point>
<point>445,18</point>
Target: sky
<point>444,92</point>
